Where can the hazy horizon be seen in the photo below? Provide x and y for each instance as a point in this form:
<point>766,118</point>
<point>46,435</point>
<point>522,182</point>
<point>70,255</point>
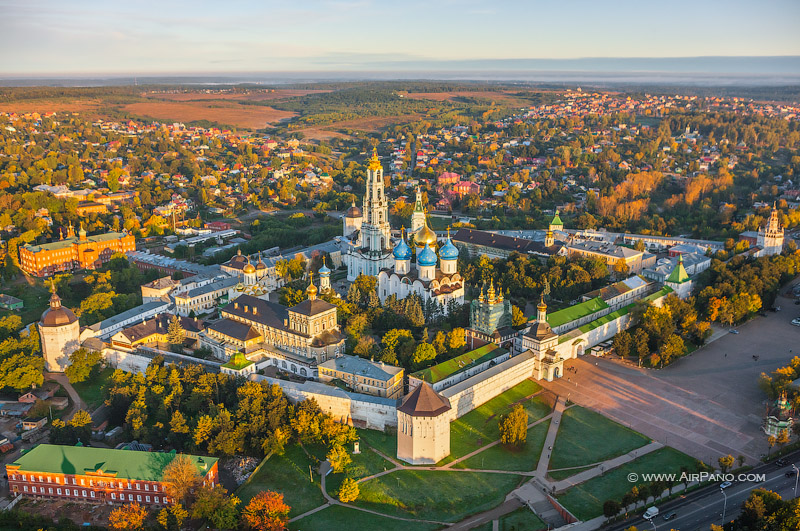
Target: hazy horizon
<point>185,37</point>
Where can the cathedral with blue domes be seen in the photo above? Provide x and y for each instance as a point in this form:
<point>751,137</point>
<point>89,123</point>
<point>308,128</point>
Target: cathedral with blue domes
<point>431,275</point>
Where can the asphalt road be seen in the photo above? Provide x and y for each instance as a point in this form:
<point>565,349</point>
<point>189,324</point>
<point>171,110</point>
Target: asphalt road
<point>698,510</point>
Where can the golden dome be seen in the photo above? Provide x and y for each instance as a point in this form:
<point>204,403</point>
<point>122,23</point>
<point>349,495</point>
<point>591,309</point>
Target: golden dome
<point>249,268</point>
<point>374,162</point>
<point>311,290</point>
<point>425,235</point>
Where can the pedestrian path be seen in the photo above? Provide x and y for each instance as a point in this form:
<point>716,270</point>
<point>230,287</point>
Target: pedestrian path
<point>549,441</point>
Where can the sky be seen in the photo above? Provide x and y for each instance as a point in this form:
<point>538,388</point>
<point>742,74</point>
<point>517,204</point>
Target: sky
<point>56,37</point>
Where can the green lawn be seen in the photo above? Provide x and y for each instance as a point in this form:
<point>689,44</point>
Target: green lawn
<point>338,518</point>
<point>586,437</point>
<point>35,297</point>
<point>558,475</point>
<point>91,391</point>
<point>521,520</point>
<point>364,464</point>
<point>499,458</point>
<point>479,427</point>
<point>385,442</point>
<point>441,496</point>
<point>287,474</point>
<point>586,500</point>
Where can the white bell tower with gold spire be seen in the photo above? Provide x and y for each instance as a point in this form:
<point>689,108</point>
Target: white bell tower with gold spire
<point>373,250</point>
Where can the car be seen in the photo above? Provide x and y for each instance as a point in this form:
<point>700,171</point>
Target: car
<point>734,331</point>
<point>725,485</point>
<point>670,516</point>
<point>797,302</point>
<point>781,462</point>
<point>791,473</point>
<point>796,321</point>
<point>651,513</point>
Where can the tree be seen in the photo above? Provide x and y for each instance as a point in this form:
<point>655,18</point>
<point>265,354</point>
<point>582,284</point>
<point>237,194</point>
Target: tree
<point>611,508</point>
<point>783,438</point>
<point>180,478</point>
<point>514,427</point>
<point>266,512</point>
<point>726,462</point>
<point>457,338</point>
<point>771,440</point>
<point>671,349</point>
<point>82,364</point>
<point>622,344</point>
<point>171,518</point>
<point>422,354</point>
<point>128,517</point>
<point>175,332</point>
<point>339,458</point>
<point>215,505</point>
<point>518,319</point>
<point>349,491</point>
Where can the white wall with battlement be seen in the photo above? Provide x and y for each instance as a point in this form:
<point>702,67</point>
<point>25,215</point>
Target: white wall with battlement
<point>479,389</point>
<point>365,411</point>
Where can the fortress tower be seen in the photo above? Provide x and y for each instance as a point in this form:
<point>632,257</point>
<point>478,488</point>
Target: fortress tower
<point>59,331</point>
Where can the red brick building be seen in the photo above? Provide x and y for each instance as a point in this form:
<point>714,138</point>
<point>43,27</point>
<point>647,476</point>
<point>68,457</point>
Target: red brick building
<point>98,475</point>
<point>81,252</point>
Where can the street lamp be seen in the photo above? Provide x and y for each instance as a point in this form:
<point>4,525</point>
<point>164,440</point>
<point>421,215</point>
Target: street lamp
<point>653,524</point>
<point>725,505</point>
<point>796,476</point>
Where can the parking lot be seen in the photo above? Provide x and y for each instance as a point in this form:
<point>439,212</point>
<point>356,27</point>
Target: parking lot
<point>707,404</point>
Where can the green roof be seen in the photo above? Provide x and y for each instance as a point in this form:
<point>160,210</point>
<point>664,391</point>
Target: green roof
<point>577,311</point>
<point>617,314</point>
<point>557,220</point>
<point>124,464</point>
<point>237,362</point>
<point>679,274</point>
<point>460,363</point>
<point>66,243</point>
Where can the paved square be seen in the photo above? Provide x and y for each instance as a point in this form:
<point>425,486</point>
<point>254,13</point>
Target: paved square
<point>707,404</point>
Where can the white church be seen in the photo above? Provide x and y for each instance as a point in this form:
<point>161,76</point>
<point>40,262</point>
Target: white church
<point>431,272</point>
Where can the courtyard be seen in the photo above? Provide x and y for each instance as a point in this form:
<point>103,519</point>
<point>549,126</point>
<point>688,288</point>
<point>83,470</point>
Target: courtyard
<point>707,404</point>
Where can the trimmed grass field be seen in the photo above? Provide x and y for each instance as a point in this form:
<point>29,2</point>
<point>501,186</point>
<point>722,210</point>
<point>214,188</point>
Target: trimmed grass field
<point>586,500</point>
<point>521,520</point>
<point>479,427</point>
<point>499,458</point>
<point>382,441</point>
<point>441,496</point>
<point>586,437</point>
<point>287,474</point>
<point>364,464</point>
<point>338,518</point>
<point>91,391</point>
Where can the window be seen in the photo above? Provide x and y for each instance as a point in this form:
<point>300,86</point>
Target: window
<point>50,490</point>
<point>92,494</point>
<point>33,489</point>
<point>130,497</point>
<point>84,493</point>
<point>146,486</point>
<point>147,499</point>
<point>138,497</point>
<point>83,482</point>
<point>58,491</point>
<point>23,477</point>
<point>67,491</point>
<point>113,496</point>
<point>157,499</point>
<point>25,488</point>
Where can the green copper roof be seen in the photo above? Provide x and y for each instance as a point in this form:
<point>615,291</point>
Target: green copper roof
<point>557,220</point>
<point>124,464</point>
<point>460,363</point>
<point>237,362</point>
<point>679,274</point>
<point>574,312</point>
